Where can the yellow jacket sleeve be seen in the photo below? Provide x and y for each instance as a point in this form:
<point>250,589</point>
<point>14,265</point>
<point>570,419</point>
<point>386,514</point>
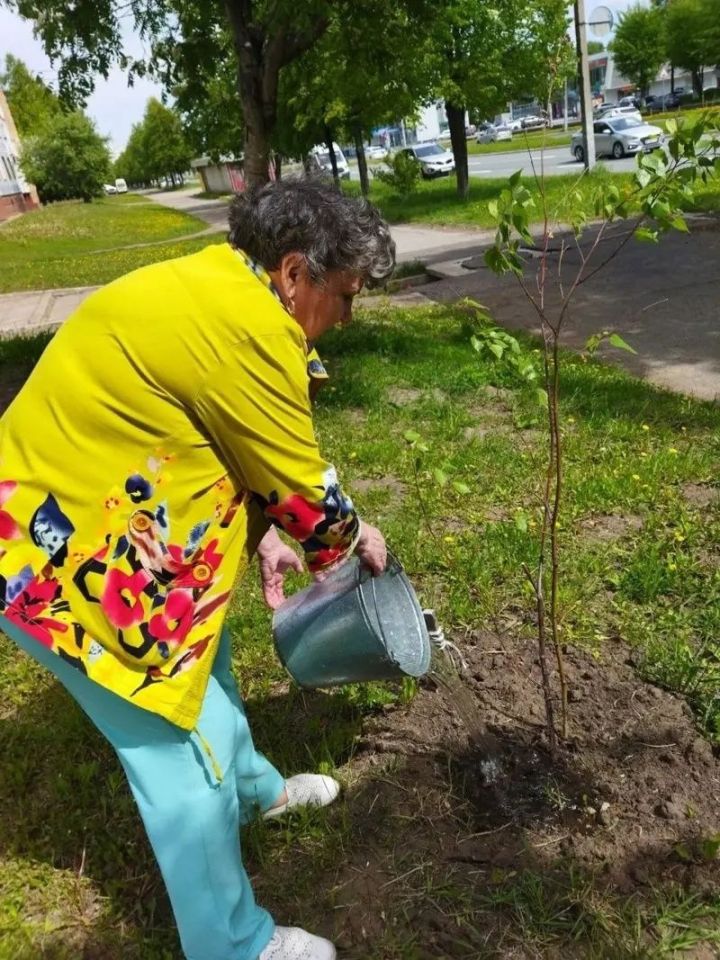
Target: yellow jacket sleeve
<point>256,410</point>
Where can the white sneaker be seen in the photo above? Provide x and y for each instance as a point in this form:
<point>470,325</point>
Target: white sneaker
<point>292,943</point>
<point>306,790</point>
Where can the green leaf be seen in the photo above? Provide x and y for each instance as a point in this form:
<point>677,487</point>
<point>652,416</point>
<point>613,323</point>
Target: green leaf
<point>671,126</point>
<point>521,521</point>
<point>461,487</point>
<point>679,224</point>
<point>440,477</point>
<point>542,397</point>
<point>617,341</point>
<point>646,235</point>
<point>412,436</point>
<point>642,177</point>
<point>515,178</point>
<point>493,209</point>
<point>497,349</point>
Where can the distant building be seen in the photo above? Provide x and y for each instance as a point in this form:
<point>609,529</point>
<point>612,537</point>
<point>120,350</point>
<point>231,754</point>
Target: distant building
<point>609,84</point>
<point>16,194</point>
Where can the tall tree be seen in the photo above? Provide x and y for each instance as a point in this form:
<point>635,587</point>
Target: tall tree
<point>693,37</point>
<point>156,148</point>
<point>68,159</point>
<point>361,74</point>
<point>487,54</point>
<point>639,47</point>
<point>31,100</point>
<point>167,150</point>
<point>266,35</point>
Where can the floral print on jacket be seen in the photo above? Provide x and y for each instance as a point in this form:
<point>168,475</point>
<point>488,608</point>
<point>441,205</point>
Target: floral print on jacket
<point>126,520</point>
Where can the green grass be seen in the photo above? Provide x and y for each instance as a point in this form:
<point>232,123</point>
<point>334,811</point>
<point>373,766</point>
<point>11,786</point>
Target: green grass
<point>436,201</point>
<point>94,268</point>
<point>66,244</point>
<point>630,450</point>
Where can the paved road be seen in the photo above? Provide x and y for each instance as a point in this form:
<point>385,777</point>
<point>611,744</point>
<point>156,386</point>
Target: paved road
<point>501,165</point>
<point>662,299</point>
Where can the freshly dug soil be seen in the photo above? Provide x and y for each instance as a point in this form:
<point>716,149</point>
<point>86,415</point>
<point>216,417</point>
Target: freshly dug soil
<point>626,801</point>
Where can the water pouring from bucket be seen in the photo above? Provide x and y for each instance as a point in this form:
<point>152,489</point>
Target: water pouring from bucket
<point>353,627</point>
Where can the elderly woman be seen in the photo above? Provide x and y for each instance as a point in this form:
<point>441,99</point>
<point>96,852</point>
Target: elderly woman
<point>162,438</point>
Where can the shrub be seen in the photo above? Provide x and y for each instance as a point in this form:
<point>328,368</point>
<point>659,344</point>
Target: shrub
<point>403,175</point>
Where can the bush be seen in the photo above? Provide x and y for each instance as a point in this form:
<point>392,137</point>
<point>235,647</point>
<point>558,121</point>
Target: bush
<point>67,160</point>
<point>403,176</point>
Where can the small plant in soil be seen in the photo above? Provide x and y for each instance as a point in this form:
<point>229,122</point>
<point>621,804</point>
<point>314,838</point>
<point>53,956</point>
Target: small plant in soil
<point>662,187</point>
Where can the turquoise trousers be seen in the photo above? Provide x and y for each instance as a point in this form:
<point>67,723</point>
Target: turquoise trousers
<point>193,790</point>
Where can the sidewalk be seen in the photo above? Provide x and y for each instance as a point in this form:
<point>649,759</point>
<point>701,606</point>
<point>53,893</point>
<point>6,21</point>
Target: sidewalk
<point>35,310</point>
<point>662,299</point>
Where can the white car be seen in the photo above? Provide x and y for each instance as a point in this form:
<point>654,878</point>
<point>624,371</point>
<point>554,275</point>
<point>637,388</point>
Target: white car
<point>375,153</point>
<point>619,137</point>
<point>609,112</point>
<point>434,161</point>
<point>515,125</point>
<point>109,188</point>
<point>320,161</point>
<point>491,133</point>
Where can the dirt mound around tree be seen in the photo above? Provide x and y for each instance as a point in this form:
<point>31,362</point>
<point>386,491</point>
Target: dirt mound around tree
<point>631,801</point>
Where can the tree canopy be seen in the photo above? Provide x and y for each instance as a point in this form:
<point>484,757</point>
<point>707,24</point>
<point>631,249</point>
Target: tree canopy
<point>639,46</point>
<point>31,100</point>
<point>693,36</point>
<point>157,147</point>
<point>68,159</point>
<point>183,35</point>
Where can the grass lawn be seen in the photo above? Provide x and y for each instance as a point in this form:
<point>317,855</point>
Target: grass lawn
<point>60,245</point>
<point>76,875</point>
<point>436,201</point>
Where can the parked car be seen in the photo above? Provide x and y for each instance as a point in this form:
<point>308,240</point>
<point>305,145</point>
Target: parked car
<point>375,152</point>
<point>533,121</point>
<point>618,137</point>
<point>493,133</point>
<point>667,101</point>
<point>515,125</point>
<point>615,113</point>
<point>633,102</point>
<point>109,188</point>
<point>434,160</point>
<point>321,162</point>
<point>470,131</point>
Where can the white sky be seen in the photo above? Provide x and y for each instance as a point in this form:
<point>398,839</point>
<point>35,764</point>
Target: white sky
<point>114,106</point>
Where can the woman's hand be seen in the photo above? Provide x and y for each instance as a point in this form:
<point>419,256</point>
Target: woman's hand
<point>371,548</point>
<point>275,560</point>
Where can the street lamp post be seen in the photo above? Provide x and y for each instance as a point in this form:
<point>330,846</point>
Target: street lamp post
<point>584,80</point>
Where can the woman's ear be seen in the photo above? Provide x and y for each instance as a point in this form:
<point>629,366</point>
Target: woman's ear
<point>291,272</point>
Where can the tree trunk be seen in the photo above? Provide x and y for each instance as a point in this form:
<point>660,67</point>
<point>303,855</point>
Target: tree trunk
<point>278,166</point>
<point>456,121</point>
<point>697,79</point>
<point>361,159</point>
<point>333,159</point>
<point>261,54</point>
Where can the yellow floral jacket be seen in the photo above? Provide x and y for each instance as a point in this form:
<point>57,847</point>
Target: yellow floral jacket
<point>165,427</point>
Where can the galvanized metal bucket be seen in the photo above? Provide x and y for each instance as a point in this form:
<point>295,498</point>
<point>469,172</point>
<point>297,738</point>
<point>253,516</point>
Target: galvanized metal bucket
<point>353,627</point>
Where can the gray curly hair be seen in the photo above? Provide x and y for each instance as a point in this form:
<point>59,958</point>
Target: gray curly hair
<point>331,230</point>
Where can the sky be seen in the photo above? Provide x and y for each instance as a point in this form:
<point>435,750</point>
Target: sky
<point>114,106</point>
